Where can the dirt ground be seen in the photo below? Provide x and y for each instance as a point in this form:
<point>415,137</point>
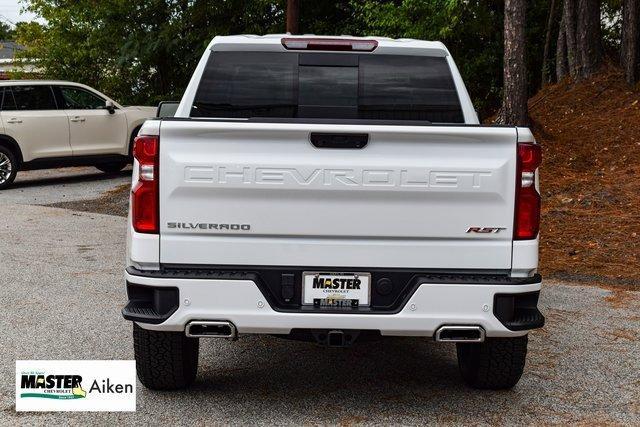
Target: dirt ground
<point>111,202</point>
<point>590,179</point>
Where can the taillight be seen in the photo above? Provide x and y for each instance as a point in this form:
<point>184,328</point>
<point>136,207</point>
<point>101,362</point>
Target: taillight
<point>299,43</point>
<point>144,200</point>
<point>527,208</point>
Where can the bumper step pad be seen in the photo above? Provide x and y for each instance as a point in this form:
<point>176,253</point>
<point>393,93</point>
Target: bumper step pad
<point>518,312</point>
<point>148,304</point>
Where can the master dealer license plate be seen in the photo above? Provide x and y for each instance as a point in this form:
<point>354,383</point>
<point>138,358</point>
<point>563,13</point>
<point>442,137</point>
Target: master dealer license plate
<point>336,289</point>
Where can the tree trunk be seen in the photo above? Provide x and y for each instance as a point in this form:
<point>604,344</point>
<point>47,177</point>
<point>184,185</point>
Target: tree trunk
<point>562,67</point>
<point>588,40</point>
<point>583,38</point>
<point>293,16</point>
<point>546,64</point>
<point>630,45</point>
<point>514,103</point>
<point>569,19</point>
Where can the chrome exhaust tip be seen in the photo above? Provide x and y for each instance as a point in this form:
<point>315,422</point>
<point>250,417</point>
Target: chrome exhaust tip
<point>211,329</point>
<point>460,333</point>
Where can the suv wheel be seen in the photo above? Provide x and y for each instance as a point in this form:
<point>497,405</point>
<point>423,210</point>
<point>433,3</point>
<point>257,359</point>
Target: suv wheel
<point>113,167</point>
<point>8,167</point>
<point>165,360</point>
<point>495,364</point>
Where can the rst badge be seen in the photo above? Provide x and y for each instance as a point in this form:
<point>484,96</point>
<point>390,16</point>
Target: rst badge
<point>485,230</point>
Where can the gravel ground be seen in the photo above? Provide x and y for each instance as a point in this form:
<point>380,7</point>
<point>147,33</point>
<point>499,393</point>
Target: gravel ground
<point>62,290</point>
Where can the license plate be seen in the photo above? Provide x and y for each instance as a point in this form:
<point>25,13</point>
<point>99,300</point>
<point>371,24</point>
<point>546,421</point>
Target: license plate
<point>336,289</point>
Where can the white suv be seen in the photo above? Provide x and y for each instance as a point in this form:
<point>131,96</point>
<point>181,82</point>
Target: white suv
<point>45,124</point>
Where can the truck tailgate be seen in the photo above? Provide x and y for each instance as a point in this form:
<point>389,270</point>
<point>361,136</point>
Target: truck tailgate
<point>247,193</point>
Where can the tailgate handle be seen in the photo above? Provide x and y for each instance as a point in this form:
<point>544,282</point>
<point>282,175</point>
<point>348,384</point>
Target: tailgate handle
<point>339,140</point>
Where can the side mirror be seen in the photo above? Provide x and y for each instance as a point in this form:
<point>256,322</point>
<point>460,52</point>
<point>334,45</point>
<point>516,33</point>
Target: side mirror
<point>108,105</point>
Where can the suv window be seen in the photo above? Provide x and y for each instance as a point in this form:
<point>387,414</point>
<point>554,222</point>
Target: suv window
<point>36,97</point>
<point>8,103</point>
<point>327,86</point>
<point>79,99</point>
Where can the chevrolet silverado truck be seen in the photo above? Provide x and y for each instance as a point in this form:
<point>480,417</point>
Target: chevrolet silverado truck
<point>332,189</point>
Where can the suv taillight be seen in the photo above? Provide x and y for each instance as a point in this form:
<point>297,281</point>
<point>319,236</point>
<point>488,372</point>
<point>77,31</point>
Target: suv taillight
<point>527,208</point>
<point>144,200</point>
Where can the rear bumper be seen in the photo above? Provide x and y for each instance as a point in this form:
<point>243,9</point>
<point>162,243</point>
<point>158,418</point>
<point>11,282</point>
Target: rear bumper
<point>241,302</point>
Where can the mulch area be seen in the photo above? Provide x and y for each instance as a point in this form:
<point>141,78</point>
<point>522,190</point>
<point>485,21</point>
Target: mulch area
<point>112,202</point>
<point>590,178</point>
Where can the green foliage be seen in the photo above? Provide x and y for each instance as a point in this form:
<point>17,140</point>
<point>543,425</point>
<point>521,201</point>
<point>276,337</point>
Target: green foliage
<point>137,51</point>
<point>537,16</point>
<point>143,51</point>
<point>471,29</point>
<point>6,32</point>
<point>611,26</point>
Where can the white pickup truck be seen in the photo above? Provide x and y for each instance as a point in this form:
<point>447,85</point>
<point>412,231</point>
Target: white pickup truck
<point>333,189</point>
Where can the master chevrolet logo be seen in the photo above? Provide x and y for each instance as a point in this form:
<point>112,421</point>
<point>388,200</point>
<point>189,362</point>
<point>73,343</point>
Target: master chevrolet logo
<point>326,283</point>
<point>75,385</point>
<point>66,386</point>
<point>53,386</point>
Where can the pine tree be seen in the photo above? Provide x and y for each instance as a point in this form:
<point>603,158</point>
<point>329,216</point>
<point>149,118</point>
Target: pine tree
<point>514,102</point>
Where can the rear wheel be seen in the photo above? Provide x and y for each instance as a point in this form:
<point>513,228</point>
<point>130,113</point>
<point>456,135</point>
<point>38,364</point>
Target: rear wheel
<point>495,364</point>
<point>8,167</point>
<point>112,167</point>
<point>165,360</point>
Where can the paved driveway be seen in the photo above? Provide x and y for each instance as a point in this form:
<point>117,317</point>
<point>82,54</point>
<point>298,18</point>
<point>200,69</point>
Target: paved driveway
<point>61,185</point>
<point>61,292</point>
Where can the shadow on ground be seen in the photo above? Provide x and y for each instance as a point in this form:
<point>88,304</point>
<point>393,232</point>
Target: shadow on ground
<point>55,181</point>
<point>270,380</point>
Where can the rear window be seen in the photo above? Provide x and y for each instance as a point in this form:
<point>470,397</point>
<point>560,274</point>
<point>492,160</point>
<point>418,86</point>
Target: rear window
<point>36,97</point>
<point>327,86</point>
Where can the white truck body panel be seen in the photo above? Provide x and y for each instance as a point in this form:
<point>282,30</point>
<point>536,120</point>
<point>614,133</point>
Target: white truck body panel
<point>406,200</point>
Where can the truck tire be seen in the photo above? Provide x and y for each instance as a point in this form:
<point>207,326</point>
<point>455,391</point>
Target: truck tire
<point>112,167</point>
<point>495,364</point>
<point>165,360</point>
<point>8,167</point>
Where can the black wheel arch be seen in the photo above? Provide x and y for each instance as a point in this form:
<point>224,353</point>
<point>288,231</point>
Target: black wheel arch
<point>12,144</point>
